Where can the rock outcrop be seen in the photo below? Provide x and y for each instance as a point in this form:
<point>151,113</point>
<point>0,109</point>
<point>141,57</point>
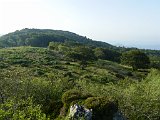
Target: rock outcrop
<point>78,112</point>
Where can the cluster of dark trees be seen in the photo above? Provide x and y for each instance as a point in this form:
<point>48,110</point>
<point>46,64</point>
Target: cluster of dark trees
<point>107,54</point>
<point>35,40</point>
<point>79,52</point>
<point>136,59</point>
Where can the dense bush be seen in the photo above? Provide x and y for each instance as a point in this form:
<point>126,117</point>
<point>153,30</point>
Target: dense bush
<point>3,65</point>
<point>136,99</point>
<point>136,59</point>
<point>107,54</point>
<point>103,108</point>
<point>21,109</point>
<point>155,65</point>
<point>82,53</point>
<point>71,96</point>
<point>52,108</point>
<point>140,100</point>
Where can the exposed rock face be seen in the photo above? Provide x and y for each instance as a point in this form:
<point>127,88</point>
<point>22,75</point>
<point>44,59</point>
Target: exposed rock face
<point>78,112</point>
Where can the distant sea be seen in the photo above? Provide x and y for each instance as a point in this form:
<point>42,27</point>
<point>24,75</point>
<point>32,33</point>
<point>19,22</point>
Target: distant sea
<point>155,45</point>
<point>152,47</point>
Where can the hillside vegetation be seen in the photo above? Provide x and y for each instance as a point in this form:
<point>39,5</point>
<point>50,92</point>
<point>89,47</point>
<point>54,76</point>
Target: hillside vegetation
<point>33,81</point>
<point>41,81</point>
<point>42,37</point>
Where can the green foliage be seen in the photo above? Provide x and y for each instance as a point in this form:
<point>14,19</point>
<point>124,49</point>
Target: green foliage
<point>140,100</point>
<point>136,59</point>
<point>107,54</point>
<point>3,65</point>
<point>22,109</point>
<point>155,65</point>
<point>135,99</point>
<point>73,95</point>
<point>54,83</point>
<point>82,53</point>
<point>53,45</point>
<point>42,37</point>
<point>52,108</point>
<point>99,53</point>
<point>103,107</point>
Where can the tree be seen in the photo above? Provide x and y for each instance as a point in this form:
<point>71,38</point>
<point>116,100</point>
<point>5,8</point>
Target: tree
<point>83,54</point>
<point>99,53</point>
<point>136,59</point>
<point>107,54</point>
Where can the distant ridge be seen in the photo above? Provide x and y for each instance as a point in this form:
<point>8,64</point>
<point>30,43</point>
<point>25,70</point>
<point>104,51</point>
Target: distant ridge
<point>42,37</point>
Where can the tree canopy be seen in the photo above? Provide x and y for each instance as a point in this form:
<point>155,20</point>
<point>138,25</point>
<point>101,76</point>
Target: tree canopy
<point>82,53</point>
<point>42,37</point>
<point>107,54</point>
<point>136,59</point>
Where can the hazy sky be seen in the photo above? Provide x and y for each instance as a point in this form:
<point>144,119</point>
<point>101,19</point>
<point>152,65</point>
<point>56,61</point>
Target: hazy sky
<point>120,22</point>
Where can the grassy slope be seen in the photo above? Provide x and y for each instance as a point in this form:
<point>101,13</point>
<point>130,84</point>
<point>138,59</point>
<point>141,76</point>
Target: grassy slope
<point>45,75</point>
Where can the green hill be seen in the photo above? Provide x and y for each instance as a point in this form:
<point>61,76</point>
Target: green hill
<point>42,37</point>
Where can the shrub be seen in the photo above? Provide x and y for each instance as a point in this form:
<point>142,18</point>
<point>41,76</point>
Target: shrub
<point>39,72</point>
<point>3,65</point>
<point>52,108</point>
<point>136,59</point>
<point>71,96</point>
<point>119,76</point>
<point>129,73</point>
<point>69,74</point>
<point>67,63</point>
<point>140,100</point>
<point>23,109</point>
<point>22,62</point>
<point>103,107</point>
<point>155,65</point>
<point>107,54</point>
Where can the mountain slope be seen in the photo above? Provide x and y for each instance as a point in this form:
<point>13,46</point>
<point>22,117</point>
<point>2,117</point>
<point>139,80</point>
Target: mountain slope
<point>41,38</point>
<point>34,80</point>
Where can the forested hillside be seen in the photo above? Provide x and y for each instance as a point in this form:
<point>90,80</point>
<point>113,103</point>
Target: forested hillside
<point>44,72</point>
<point>42,37</point>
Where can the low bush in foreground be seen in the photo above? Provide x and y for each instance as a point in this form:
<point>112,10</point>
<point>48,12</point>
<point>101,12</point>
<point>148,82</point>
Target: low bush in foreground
<point>21,110</point>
